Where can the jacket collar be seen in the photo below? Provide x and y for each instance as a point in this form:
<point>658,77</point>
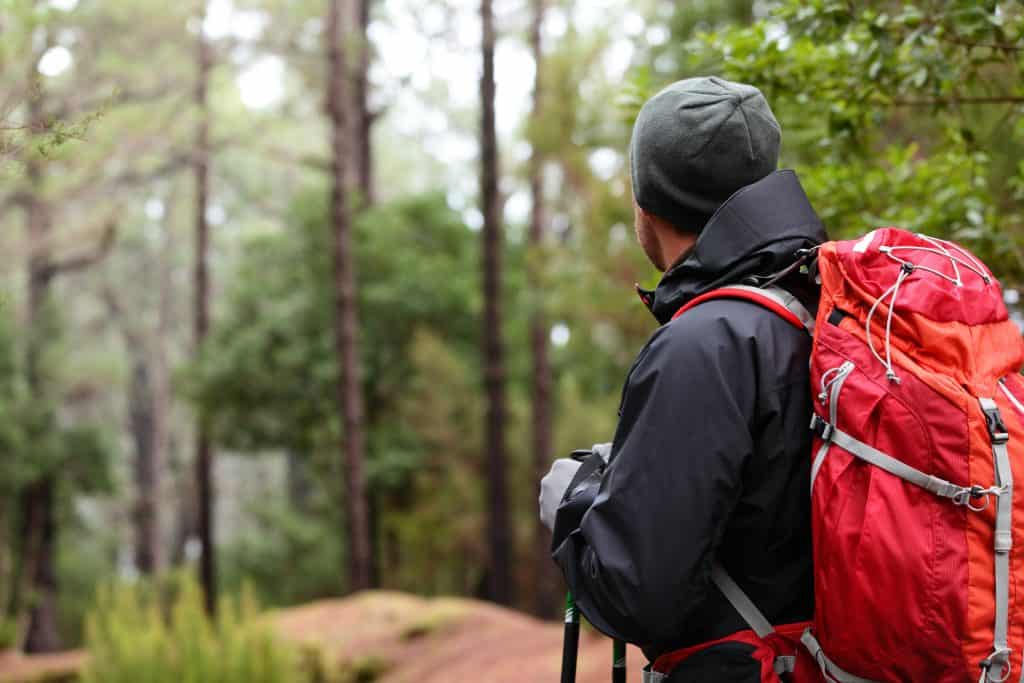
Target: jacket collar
<point>756,232</point>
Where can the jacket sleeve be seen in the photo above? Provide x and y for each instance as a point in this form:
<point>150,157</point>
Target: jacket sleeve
<point>638,557</point>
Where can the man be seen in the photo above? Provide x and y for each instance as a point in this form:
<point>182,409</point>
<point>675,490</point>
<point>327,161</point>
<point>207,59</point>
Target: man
<point>711,455</point>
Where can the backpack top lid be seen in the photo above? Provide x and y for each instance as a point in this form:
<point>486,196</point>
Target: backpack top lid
<point>941,305</point>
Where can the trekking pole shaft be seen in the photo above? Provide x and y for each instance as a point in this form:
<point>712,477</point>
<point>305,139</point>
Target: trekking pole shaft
<point>571,643</point>
<point>618,661</point>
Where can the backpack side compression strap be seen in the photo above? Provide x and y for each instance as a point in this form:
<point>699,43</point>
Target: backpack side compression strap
<point>775,299</point>
<point>739,600</point>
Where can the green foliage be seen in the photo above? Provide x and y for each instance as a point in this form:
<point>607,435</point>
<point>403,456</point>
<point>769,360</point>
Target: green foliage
<point>289,557</point>
<point>268,371</point>
<point>267,381</point>
<point>438,514</point>
<point>431,620</point>
<point>86,557</point>
<point>30,440</point>
<point>131,640</point>
<point>324,668</point>
<point>34,442</point>
<point>362,670</point>
<point>8,633</point>
<point>893,113</point>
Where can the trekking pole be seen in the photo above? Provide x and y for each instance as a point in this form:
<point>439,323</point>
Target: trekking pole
<point>571,642</point>
<point>618,661</point>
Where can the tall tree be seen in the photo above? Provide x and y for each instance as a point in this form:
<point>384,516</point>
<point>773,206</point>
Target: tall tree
<point>148,394</point>
<point>38,515</point>
<point>37,596</point>
<point>204,451</point>
<point>540,375</point>
<point>147,413</point>
<point>61,186</point>
<point>363,118</point>
<point>346,319</point>
<point>499,536</point>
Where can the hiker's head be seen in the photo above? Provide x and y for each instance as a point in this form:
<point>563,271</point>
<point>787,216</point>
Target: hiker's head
<point>694,144</point>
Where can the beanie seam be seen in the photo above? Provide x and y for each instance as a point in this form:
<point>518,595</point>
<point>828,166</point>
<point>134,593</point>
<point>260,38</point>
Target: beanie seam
<point>718,128</point>
<point>746,124</point>
<point>767,119</point>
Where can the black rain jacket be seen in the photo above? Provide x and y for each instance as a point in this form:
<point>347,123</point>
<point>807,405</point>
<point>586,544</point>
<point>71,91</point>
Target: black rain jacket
<point>711,455</point>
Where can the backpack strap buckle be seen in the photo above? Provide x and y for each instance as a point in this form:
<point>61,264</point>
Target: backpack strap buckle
<point>821,427</point>
<point>996,427</point>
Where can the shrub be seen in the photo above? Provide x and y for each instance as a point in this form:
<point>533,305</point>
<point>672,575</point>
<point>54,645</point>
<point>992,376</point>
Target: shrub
<point>133,638</point>
<point>8,633</point>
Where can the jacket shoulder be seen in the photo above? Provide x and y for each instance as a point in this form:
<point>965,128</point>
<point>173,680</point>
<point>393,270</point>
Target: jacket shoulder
<point>726,319</point>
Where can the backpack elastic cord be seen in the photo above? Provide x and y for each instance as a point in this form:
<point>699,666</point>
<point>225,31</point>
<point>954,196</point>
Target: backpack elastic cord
<point>939,247</point>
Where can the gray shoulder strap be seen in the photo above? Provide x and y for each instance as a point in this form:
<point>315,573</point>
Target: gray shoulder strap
<point>831,672</point>
<point>997,665</point>
<point>739,600</point>
<point>785,299</point>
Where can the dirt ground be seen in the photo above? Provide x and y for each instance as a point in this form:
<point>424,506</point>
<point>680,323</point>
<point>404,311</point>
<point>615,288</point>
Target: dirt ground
<point>56,667</point>
<point>446,639</point>
<point>390,637</point>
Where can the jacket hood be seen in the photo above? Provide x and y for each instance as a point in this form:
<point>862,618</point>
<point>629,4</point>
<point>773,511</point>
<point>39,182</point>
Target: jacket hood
<point>756,232</point>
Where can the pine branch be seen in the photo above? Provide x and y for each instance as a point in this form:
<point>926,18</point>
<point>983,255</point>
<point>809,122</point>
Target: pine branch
<point>83,261</point>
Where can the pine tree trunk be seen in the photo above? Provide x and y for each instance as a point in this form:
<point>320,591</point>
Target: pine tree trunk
<point>498,528</point>
<point>38,507</point>
<point>38,592</point>
<point>142,416</point>
<point>540,377</point>
<point>361,138</point>
<point>204,450</point>
<point>37,595</point>
<point>363,117</point>
<point>346,318</point>
<point>160,390</point>
<point>39,510</point>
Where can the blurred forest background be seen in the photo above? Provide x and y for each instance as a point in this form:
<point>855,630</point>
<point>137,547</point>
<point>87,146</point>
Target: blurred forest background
<point>304,295</point>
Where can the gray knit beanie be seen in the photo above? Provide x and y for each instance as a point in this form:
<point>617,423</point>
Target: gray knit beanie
<point>695,143</point>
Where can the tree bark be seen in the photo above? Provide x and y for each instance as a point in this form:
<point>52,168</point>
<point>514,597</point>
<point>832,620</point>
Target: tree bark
<point>38,506</point>
<point>37,596</point>
<point>363,117</point>
<point>42,633</point>
<point>161,381</point>
<point>146,416</point>
<point>204,451</point>
<point>141,417</point>
<point>540,376</point>
<point>346,318</point>
<point>499,534</point>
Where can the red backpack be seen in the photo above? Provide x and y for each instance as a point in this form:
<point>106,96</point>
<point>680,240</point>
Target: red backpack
<point>919,434</point>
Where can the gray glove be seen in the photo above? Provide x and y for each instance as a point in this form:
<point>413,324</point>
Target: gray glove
<point>557,480</point>
<point>603,449</point>
<point>553,486</point>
